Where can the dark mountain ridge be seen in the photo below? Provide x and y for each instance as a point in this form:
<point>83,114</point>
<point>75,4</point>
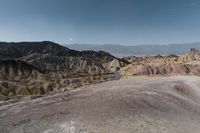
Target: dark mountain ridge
<point>49,56</point>
<point>20,49</point>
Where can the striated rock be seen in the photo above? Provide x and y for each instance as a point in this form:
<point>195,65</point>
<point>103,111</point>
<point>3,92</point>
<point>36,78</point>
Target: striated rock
<point>161,69</point>
<point>47,62</point>
<point>115,65</point>
<point>17,70</point>
<point>164,65</point>
<point>152,59</point>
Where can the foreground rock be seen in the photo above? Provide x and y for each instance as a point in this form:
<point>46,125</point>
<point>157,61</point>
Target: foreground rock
<point>139,105</point>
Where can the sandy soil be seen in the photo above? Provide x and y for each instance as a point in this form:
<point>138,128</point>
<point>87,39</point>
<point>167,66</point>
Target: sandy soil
<point>133,105</point>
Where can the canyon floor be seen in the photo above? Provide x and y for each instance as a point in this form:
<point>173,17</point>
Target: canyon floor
<point>141,104</point>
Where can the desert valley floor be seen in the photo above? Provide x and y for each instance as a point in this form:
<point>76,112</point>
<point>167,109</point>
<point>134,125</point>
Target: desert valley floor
<point>141,104</point>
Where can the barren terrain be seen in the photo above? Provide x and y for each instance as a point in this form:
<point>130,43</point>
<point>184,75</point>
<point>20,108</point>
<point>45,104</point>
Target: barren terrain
<point>139,104</point>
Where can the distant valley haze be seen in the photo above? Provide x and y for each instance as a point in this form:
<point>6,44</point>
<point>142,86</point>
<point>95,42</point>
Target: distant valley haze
<point>137,50</point>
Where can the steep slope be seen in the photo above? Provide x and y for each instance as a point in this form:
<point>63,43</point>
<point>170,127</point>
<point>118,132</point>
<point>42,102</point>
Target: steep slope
<point>47,62</point>
<point>15,76</point>
<point>17,70</point>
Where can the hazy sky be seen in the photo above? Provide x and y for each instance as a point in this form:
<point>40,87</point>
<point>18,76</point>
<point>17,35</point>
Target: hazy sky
<point>125,22</point>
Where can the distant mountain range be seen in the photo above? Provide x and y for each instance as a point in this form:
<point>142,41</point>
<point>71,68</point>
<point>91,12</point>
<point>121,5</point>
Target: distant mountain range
<point>121,50</point>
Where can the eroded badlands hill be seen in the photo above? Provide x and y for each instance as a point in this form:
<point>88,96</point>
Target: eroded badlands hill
<point>36,68</point>
<point>164,65</point>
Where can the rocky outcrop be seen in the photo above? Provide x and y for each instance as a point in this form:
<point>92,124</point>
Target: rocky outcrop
<point>115,65</point>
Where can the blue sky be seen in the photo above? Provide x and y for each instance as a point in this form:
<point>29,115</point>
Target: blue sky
<point>125,22</point>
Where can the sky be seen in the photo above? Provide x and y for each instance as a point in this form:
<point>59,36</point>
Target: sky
<point>124,22</point>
